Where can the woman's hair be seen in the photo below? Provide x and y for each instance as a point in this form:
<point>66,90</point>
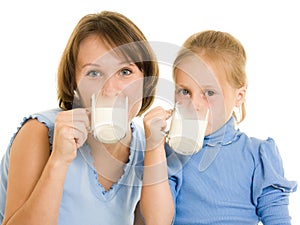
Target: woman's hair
<point>117,31</point>
<point>222,51</point>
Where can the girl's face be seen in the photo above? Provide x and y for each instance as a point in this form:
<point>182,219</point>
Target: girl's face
<point>208,88</point>
<point>100,70</point>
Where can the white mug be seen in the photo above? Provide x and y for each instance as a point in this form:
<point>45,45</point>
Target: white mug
<point>187,129</point>
<point>109,117</point>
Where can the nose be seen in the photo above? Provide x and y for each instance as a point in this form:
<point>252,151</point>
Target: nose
<point>200,102</point>
<point>110,87</point>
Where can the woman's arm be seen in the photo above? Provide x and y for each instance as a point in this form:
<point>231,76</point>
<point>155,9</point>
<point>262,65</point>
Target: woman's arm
<point>156,200</point>
<point>36,180</point>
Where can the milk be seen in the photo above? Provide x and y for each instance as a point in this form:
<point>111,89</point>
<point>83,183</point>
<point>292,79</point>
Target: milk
<point>110,124</point>
<point>186,135</point>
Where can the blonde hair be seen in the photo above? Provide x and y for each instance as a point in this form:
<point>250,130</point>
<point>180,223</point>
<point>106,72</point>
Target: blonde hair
<point>116,30</point>
<point>224,52</point>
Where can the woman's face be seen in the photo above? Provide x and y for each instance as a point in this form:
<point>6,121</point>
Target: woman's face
<point>100,70</point>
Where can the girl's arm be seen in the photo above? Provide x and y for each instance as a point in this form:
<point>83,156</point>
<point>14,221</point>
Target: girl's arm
<point>156,200</point>
<point>271,190</point>
<point>36,180</point>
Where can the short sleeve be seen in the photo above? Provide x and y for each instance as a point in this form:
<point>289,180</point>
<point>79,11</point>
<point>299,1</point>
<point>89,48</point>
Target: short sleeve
<point>270,188</point>
<point>47,119</point>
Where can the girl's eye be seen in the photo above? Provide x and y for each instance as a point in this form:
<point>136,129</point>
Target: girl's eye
<point>125,72</point>
<point>209,93</point>
<point>183,91</point>
<point>94,73</point>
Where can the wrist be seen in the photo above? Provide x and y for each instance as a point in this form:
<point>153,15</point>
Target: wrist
<point>155,173</point>
<point>155,144</point>
<point>57,162</point>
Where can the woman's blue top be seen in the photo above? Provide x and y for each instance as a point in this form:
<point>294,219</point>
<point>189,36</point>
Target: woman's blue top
<point>84,201</point>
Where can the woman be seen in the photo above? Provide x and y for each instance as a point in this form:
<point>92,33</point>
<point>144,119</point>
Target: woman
<point>55,171</point>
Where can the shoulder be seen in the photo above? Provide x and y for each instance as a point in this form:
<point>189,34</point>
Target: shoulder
<point>268,150</point>
<point>264,151</point>
<point>269,169</point>
<point>31,132</point>
<point>255,149</point>
<point>257,144</point>
<point>30,143</point>
<point>254,144</point>
<point>46,117</point>
<point>37,125</point>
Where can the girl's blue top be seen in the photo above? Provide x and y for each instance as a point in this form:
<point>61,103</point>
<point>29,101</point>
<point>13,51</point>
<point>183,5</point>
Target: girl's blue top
<point>233,179</point>
<point>84,201</point>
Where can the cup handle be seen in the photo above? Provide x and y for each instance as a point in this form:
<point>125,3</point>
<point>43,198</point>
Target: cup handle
<point>166,132</point>
<point>93,99</point>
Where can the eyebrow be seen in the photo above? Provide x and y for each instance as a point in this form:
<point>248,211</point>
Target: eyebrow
<point>208,87</point>
<point>98,65</point>
<point>181,85</point>
<point>90,64</point>
<point>204,87</point>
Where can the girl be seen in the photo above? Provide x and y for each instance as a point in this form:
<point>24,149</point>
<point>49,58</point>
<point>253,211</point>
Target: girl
<point>233,179</point>
<point>54,170</point>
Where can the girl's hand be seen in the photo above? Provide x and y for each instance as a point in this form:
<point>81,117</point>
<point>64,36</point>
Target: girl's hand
<point>70,132</point>
<point>155,123</point>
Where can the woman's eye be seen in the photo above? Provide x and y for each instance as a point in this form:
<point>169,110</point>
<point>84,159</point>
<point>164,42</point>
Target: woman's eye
<point>209,93</point>
<point>125,72</point>
<point>94,73</point>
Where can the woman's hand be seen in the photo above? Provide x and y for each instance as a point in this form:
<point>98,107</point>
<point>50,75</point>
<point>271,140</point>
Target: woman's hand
<point>155,123</point>
<point>70,132</point>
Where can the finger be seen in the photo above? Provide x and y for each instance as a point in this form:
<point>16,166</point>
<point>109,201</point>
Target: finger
<point>75,132</point>
<point>81,115</point>
<point>155,128</point>
<point>79,137</point>
<point>73,115</point>
<point>158,112</point>
<point>80,126</point>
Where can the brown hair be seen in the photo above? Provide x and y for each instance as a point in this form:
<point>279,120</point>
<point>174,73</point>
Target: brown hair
<point>116,30</point>
<point>223,51</point>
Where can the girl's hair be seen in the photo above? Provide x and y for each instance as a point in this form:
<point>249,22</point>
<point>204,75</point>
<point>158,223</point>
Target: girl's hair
<point>222,51</point>
<point>117,31</point>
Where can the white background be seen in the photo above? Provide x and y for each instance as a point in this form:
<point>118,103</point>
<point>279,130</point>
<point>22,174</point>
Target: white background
<point>34,34</point>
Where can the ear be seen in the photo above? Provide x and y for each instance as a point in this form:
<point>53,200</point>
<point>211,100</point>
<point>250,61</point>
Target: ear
<point>240,96</point>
